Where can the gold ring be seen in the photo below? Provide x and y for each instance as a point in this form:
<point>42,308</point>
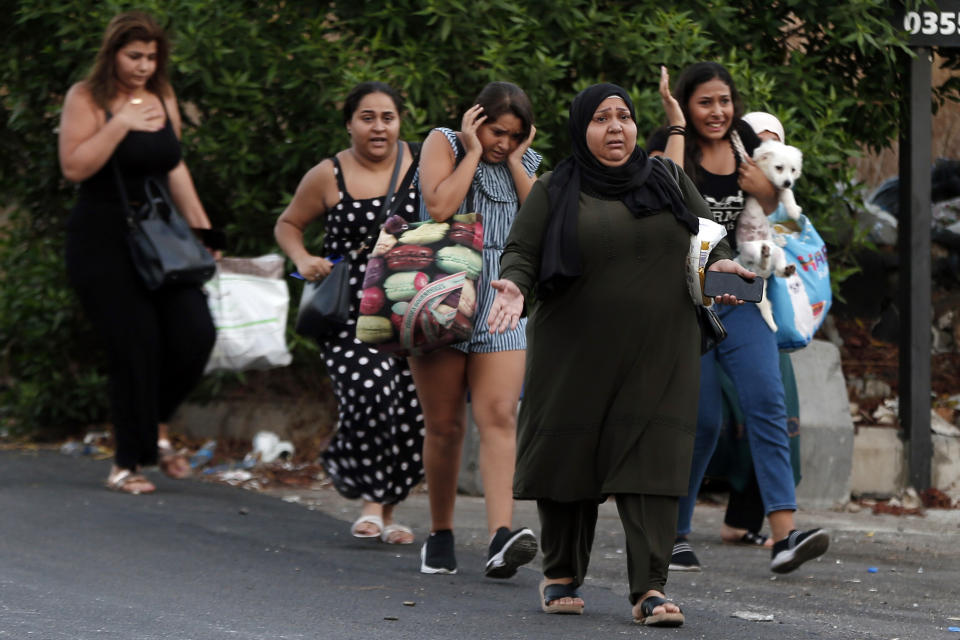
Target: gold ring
<point>136,101</point>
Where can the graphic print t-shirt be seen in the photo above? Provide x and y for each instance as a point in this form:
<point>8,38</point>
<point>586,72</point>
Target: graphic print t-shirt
<point>725,199</point>
<point>721,193</point>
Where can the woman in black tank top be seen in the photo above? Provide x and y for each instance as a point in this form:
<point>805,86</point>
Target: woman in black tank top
<point>702,111</point>
<point>157,342</point>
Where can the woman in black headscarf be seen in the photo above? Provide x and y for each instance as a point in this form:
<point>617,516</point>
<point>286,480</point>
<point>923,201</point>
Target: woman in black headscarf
<point>610,398</point>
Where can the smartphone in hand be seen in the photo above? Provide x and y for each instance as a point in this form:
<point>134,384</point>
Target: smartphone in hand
<point>718,283</point>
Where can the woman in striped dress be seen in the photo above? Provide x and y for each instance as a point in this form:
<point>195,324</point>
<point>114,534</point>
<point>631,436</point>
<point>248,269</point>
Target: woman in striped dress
<point>487,167</point>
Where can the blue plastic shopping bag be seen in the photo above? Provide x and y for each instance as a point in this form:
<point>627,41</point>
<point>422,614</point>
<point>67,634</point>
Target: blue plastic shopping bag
<point>800,302</point>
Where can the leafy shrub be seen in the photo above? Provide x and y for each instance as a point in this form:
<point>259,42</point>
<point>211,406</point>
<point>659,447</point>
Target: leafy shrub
<point>260,85</point>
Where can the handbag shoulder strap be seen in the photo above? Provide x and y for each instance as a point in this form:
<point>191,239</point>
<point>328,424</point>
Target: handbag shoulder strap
<point>118,180</point>
<point>122,190</point>
<point>412,171</point>
<point>370,239</point>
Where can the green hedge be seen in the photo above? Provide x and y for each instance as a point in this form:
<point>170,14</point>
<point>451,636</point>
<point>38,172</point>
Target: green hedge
<point>260,85</point>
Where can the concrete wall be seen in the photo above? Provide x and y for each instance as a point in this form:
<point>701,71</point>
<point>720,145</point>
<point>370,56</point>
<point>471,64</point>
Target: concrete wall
<point>945,466</point>
<point>879,462</point>
<point>826,431</point>
<point>243,418</point>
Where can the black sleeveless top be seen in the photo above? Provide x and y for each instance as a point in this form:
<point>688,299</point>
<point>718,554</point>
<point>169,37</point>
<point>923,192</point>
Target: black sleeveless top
<point>139,154</point>
<point>350,221</point>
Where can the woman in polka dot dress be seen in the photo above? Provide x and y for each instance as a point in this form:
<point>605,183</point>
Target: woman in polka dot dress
<point>376,452</point>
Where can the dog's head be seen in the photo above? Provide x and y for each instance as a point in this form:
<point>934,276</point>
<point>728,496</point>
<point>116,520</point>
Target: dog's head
<point>781,163</point>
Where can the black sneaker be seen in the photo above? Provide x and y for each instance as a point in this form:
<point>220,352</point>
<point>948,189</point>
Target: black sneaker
<point>797,548</point>
<point>509,550</point>
<point>437,555</point>
<point>683,558</point>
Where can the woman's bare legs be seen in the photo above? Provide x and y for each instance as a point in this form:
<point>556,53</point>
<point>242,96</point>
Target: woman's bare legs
<point>441,383</point>
<point>781,524</point>
<point>496,380</point>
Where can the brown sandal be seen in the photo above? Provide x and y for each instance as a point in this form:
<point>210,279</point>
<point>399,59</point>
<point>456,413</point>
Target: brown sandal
<point>125,480</point>
<point>174,463</point>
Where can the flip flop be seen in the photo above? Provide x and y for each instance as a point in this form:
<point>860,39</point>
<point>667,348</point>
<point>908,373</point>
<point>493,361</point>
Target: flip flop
<point>172,462</point>
<point>376,521</point>
<point>122,480</point>
<point>550,593</point>
<point>750,539</point>
<point>395,528</point>
<point>651,619</point>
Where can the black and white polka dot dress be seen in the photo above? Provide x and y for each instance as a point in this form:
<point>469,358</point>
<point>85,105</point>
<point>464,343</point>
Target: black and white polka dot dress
<point>376,453</point>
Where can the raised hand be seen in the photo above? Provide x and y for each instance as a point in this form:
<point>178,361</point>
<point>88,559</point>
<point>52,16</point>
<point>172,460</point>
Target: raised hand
<point>472,119</point>
<point>671,107</point>
<point>507,306</point>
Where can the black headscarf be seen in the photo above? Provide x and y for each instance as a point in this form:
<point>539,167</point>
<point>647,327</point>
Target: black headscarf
<point>642,184</point>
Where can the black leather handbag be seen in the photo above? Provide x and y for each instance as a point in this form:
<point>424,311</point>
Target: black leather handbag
<point>325,305</point>
<point>162,246</point>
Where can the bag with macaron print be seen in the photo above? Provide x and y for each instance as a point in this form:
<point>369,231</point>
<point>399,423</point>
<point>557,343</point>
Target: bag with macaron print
<point>419,288</point>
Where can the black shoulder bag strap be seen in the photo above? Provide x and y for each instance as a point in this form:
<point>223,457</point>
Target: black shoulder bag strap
<point>121,188</point>
<point>369,241</point>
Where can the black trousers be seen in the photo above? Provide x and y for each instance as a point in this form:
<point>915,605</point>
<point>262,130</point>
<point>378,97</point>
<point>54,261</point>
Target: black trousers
<point>649,525</point>
<point>157,342</point>
<point>745,508</point>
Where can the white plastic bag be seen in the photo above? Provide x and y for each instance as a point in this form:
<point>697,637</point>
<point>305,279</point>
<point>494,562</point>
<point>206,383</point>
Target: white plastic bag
<point>249,301</point>
<point>700,247</point>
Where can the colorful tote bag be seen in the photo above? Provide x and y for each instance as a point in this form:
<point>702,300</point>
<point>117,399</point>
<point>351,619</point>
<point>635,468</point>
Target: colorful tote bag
<point>801,301</point>
<point>419,291</point>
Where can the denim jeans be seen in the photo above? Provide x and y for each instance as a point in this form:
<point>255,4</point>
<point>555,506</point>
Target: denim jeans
<point>750,357</point>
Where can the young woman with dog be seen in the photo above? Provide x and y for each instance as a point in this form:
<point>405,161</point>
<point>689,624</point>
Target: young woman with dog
<point>487,167</point>
<point>744,515</point>
<point>702,112</point>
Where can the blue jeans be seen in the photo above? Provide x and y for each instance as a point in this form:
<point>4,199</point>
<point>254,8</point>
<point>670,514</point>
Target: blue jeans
<point>750,357</point>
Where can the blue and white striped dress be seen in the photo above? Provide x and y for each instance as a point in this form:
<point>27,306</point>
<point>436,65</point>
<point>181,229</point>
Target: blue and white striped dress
<point>495,198</point>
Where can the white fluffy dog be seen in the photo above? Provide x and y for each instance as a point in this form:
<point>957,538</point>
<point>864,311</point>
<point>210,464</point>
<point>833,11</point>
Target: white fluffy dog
<point>765,259</point>
<point>782,165</point>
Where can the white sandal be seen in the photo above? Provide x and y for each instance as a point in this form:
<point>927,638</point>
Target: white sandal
<point>118,482</point>
<point>394,528</point>
<point>376,521</point>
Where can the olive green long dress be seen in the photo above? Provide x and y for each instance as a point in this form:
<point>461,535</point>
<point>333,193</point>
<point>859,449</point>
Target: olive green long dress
<point>613,360</point>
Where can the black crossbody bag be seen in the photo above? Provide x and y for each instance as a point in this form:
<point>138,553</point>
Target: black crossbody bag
<point>325,305</point>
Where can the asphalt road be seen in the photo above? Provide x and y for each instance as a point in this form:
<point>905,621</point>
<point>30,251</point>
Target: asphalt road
<point>198,560</point>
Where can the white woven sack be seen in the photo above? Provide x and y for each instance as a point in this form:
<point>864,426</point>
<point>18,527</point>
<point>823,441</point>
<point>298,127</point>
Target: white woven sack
<point>249,301</point>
